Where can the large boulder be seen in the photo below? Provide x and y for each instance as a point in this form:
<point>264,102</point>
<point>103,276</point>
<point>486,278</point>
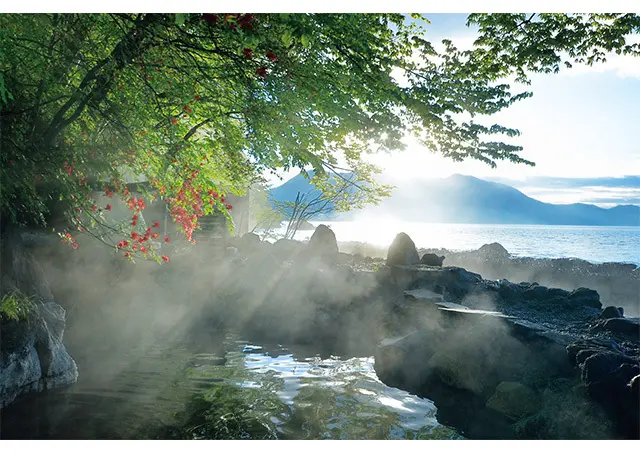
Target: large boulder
<point>33,355</point>
<point>323,243</point>
<point>402,251</point>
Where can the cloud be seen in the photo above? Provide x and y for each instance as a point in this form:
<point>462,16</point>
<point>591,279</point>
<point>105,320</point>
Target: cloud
<point>601,191</point>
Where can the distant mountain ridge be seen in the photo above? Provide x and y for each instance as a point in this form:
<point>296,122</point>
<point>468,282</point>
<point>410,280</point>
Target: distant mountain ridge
<point>467,199</point>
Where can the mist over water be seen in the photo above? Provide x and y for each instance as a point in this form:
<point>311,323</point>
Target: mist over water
<point>596,244</point>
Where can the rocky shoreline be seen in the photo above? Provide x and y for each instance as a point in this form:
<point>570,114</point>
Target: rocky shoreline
<point>500,359</point>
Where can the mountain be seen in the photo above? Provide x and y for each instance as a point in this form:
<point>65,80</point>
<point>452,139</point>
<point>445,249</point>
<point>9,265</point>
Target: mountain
<point>467,199</point>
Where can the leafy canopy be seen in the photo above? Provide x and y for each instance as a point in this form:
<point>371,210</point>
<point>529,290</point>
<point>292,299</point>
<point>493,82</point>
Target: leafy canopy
<point>220,99</point>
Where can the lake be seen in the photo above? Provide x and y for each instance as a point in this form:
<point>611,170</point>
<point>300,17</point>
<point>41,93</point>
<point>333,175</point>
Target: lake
<point>596,244</point>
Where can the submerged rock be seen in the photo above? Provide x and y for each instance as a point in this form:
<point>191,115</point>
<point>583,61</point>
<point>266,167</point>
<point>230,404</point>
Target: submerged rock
<point>514,400</point>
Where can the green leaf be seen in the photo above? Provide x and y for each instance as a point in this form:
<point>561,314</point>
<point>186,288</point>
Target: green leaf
<point>304,39</point>
<point>180,18</point>
<point>287,39</point>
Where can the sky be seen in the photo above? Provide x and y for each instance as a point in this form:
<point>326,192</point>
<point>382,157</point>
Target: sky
<point>581,123</point>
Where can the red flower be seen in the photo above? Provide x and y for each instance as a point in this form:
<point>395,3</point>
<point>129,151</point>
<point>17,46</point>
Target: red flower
<point>134,247</point>
<point>262,72</point>
<point>228,206</point>
<point>75,246</point>
<point>165,258</point>
<point>167,240</point>
<point>143,249</point>
<point>92,208</point>
<point>154,235</point>
<point>174,120</point>
<point>121,244</point>
<point>108,207</point>
<point>127,254</point>
<point>272,56</point>
<point>248,53</point>
<point>134,235</point>
<point>156,224</point>
<point>197,97</point>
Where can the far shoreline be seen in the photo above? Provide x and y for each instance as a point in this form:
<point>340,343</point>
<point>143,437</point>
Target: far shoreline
<point>346,230</point>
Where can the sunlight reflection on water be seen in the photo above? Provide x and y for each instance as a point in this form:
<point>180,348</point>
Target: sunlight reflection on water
<point>593,243</point>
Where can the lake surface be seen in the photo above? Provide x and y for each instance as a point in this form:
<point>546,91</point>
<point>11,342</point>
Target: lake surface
<point>596,244</point>
<point>236,390</point>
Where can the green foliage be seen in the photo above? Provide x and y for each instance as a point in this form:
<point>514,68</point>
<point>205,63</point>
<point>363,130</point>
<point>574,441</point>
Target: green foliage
<point>16,306</point>
<point>517,43</point>
<point>91,98</point>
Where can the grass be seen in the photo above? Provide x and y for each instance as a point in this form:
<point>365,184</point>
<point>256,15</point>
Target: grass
<point>16,306</point>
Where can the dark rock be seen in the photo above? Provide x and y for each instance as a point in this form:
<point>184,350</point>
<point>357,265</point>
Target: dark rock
<point>402,251</point>
<point>621,310</point>
<point>585,297</point>
<point>536,293</point>
<point>630,327</point>
<point>514,400</point>
<point>508,291</point>
<point>599,373</point>
<point>610,312</point>
<point>555,292</point>
<point>584,354</point>
<point>432,259</point>
<point>323,243</point>
<point>463,370</point>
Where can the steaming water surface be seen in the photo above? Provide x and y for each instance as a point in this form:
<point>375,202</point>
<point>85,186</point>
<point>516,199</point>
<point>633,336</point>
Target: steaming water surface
<point>242,390</point>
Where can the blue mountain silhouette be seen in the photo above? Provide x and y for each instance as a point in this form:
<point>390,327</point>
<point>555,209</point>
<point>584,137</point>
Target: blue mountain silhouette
<point>467,199</point>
